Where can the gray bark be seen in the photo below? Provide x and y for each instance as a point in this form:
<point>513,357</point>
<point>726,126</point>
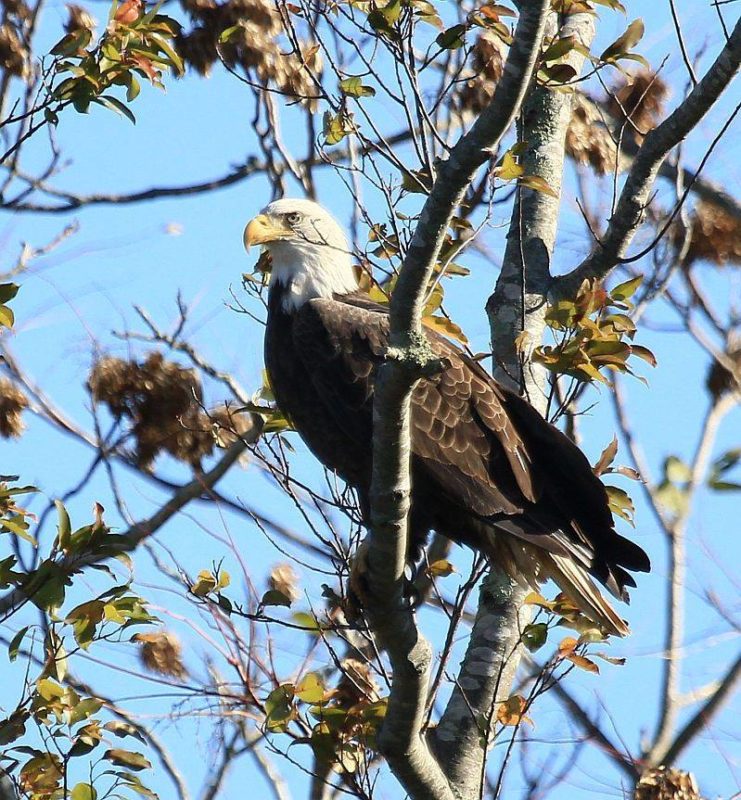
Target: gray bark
<point>400,739</point>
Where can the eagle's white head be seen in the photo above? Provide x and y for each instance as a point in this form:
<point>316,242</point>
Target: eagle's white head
<point>308,248</point>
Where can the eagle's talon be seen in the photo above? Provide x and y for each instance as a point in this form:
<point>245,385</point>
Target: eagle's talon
<point>359,592</point>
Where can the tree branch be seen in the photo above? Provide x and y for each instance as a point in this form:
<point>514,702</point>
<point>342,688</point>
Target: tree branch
<point>143,530</point>
<point>517,304</point>
<point>703,717</point>
<point>658,143</point>
<point>674,629</point>
<point>391,618</point>
<point>486,673</point>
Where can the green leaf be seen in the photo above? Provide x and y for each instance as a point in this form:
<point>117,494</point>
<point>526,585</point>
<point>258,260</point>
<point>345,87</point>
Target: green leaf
<point>672,497</point>
<point>534,636</point>
<point>84,791</point>
<point>114,104</point>
<point>310,689</point>
<point>620,47</point>
<point>724,486</point>
<point>336,127</point>
<point>676,470</point>
<point>559,48</point>
<point>72,43</point>
<point>133,88</point>
<point>166,47</point>
<point>354,88</point>
<point>229,33</point>
<point>308,621</point>
<point>626,290</point>
<point>46,586</point>
<point>620,503</point>
<point>273,597</point>
<point>127,758</point>
<point>8,291</point>
<point>416,181</point>
<point>15,643</point>
<point>383,19</point>
<point>64,528</point>
<point>17,525</point>
<point>452,38</point>
<point>84,709</point>
<point>279,708</point>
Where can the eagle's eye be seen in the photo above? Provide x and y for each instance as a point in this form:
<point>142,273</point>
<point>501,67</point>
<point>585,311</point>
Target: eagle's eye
<point>293,218</point>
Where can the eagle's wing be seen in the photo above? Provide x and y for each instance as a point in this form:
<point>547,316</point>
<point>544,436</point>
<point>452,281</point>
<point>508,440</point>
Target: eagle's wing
<point>488,451</point>
<point>460,430</point>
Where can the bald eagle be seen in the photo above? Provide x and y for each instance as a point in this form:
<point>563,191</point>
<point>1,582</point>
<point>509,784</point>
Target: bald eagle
<point>487,470</point>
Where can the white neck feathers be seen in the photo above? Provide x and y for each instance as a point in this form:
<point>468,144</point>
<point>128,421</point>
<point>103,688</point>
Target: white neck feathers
<point>309,271</point>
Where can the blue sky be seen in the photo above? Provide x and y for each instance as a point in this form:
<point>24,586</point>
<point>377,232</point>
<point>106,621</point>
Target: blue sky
<point>144,254</point>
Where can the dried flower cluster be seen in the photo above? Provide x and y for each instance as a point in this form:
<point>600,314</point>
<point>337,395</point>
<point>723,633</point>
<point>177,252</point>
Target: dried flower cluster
<point>720,380</point>
<point>161,653</point>
<point>163,402</point>
<point>639,99</point>
<point>587,139</point>
<point>357,683</point>
<point>487,61</point>
<point>15,58</point>
<point>12,404</point>
<point>283,579</point>
<point>715,236</point>
<point>665,783</point>
<point>254,44</point>
<point>79,19</point>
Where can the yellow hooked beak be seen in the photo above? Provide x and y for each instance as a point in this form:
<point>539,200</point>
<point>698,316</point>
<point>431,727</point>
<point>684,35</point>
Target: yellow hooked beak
<point>263,229</point>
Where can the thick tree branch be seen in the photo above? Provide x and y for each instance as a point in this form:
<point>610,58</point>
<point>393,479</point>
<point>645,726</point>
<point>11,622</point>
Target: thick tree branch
<point>659,142</point>
<point>484,679</point>
<point>517,304</point>
<point>390,617</point>
<point>519,299</point>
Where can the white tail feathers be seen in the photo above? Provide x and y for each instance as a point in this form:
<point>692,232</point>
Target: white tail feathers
<point>580,589</point>
<point>530,565</point>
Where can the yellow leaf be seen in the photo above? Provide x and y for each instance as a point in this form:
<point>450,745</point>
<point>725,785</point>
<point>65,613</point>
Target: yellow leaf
<point>446,327</point>
<point>310,689</point>
<point>440,569</point>
<point>204,584</point>
<point>509,168</point>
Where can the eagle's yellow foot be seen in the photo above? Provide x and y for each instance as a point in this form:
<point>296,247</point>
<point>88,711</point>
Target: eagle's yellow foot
<point>360,592</point>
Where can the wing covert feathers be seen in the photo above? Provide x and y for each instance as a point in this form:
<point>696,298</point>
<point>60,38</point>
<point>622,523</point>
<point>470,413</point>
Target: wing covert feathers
<point>487,470</point>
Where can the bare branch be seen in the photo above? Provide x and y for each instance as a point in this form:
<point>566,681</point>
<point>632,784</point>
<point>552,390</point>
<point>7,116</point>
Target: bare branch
<point>658,143</point>
<point>140,531</point>
<point>703,717</point>
<point>674,631</point>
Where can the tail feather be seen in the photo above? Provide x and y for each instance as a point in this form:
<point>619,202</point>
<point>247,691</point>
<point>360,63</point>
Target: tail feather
<point>580,589</point>
<point>530,565</point>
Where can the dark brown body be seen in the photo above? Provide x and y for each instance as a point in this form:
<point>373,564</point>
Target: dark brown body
<point>487,470</point>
